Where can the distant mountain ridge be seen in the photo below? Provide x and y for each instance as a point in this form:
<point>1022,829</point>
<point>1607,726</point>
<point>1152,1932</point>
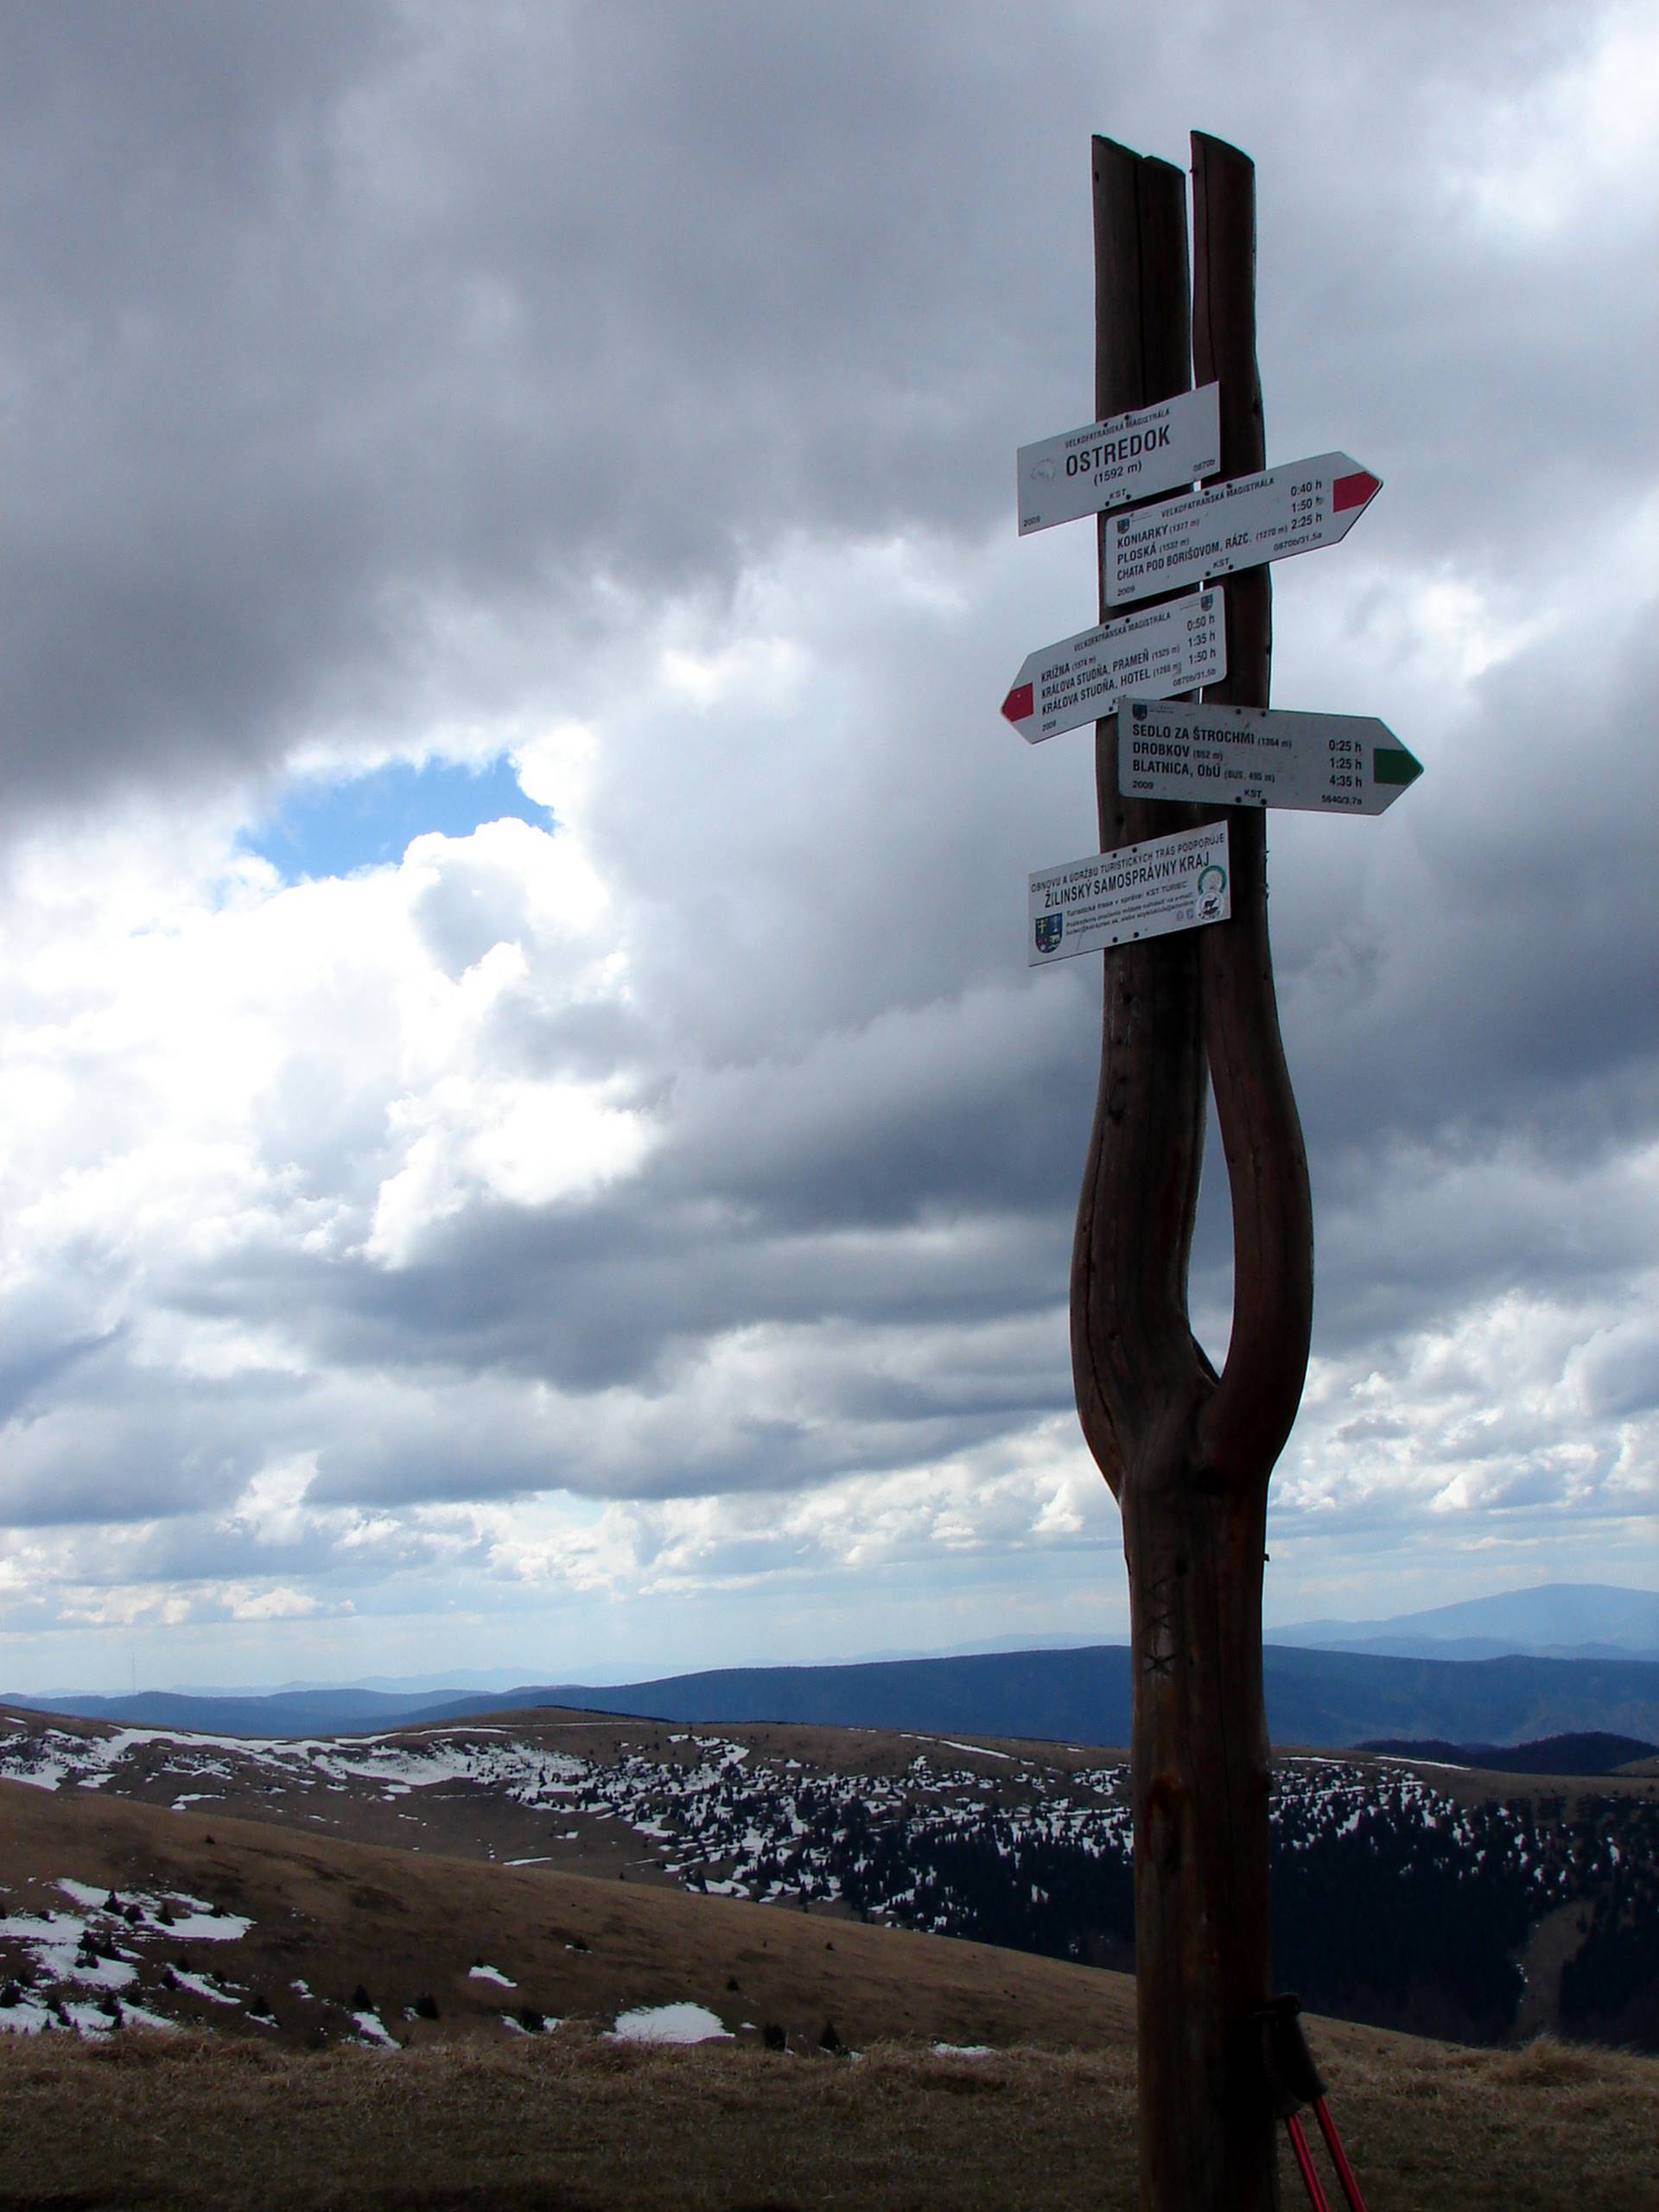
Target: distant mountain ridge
<point>1582,1756</point>
<point>278,1713</point>
<point>1557,1620</point>
<point>1554,1620</point>
<point>1469,1647</point>
<point>1314,1698</point>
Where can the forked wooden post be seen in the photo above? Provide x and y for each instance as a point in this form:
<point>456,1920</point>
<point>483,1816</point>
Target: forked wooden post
<point>1188,1453</point>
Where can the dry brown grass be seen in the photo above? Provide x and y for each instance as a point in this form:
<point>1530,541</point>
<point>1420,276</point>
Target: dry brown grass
<point>574,2122</point>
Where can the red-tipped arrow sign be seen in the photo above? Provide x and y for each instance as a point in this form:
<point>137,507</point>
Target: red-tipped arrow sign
<point>1200,535</point>
<point>1151,654</point>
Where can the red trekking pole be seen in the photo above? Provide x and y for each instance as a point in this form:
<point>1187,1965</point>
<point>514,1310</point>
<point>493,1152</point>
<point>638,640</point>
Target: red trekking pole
<point>1293,2081</point>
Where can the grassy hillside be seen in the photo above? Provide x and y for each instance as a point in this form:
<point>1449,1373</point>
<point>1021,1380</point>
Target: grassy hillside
<point>571,2122</point>
<point>984,2079</point>
<point>1452,1904</point>
<point>328,1919</point>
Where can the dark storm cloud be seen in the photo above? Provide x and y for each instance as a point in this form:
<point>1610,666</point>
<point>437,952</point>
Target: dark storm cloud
<point>1620,1372</point>
<point>437,1462</point>
<point>320,323</point>
<point>616,1292</point>
<point>1483,1014</point>
<point>136,1445</point>
<point>162,170</point>
<point>935,1113</point>
<point>325,325</point>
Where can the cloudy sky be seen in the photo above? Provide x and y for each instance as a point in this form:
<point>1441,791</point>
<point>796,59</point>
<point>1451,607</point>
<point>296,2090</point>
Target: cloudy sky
<point>527,1136</point>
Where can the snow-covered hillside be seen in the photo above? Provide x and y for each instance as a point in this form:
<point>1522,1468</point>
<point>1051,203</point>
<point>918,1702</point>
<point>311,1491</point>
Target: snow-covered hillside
<point>1393,1900</point>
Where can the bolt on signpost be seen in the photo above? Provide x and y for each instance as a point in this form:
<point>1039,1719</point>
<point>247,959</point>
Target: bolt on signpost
<point>1177,900</point>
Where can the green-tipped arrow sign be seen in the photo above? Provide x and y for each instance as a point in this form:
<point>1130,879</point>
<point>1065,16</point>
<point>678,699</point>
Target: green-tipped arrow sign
<point>1258,756</point>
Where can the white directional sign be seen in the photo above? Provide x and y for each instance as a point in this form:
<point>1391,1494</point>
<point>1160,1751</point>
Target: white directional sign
<point>1257,756</point>
<point>1140,891</point>
<point>1151,655</point>
<point>1104,464</point>
<point>1236,525</point>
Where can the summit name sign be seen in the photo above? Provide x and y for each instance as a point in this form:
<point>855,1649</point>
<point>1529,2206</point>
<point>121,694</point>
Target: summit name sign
<point>1238,525</point>
<point>1130,457</point>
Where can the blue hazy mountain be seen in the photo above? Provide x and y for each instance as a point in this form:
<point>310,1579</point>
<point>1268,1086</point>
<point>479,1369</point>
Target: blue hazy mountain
<point>1315,1698</point>
<point>1561,1620</point>
<point>281,1713</point>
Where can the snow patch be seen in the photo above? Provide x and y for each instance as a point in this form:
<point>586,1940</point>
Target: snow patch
<point>201,1985</point>
<point>680,2022</point>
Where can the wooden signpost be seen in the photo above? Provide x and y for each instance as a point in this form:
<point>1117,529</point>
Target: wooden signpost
<point>1188,1453</point>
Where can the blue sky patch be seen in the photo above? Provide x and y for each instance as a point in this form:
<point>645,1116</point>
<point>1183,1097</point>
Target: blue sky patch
<point>330,828</point>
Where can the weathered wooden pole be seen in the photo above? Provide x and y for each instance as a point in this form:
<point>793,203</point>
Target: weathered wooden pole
<point>1188,1453</point>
